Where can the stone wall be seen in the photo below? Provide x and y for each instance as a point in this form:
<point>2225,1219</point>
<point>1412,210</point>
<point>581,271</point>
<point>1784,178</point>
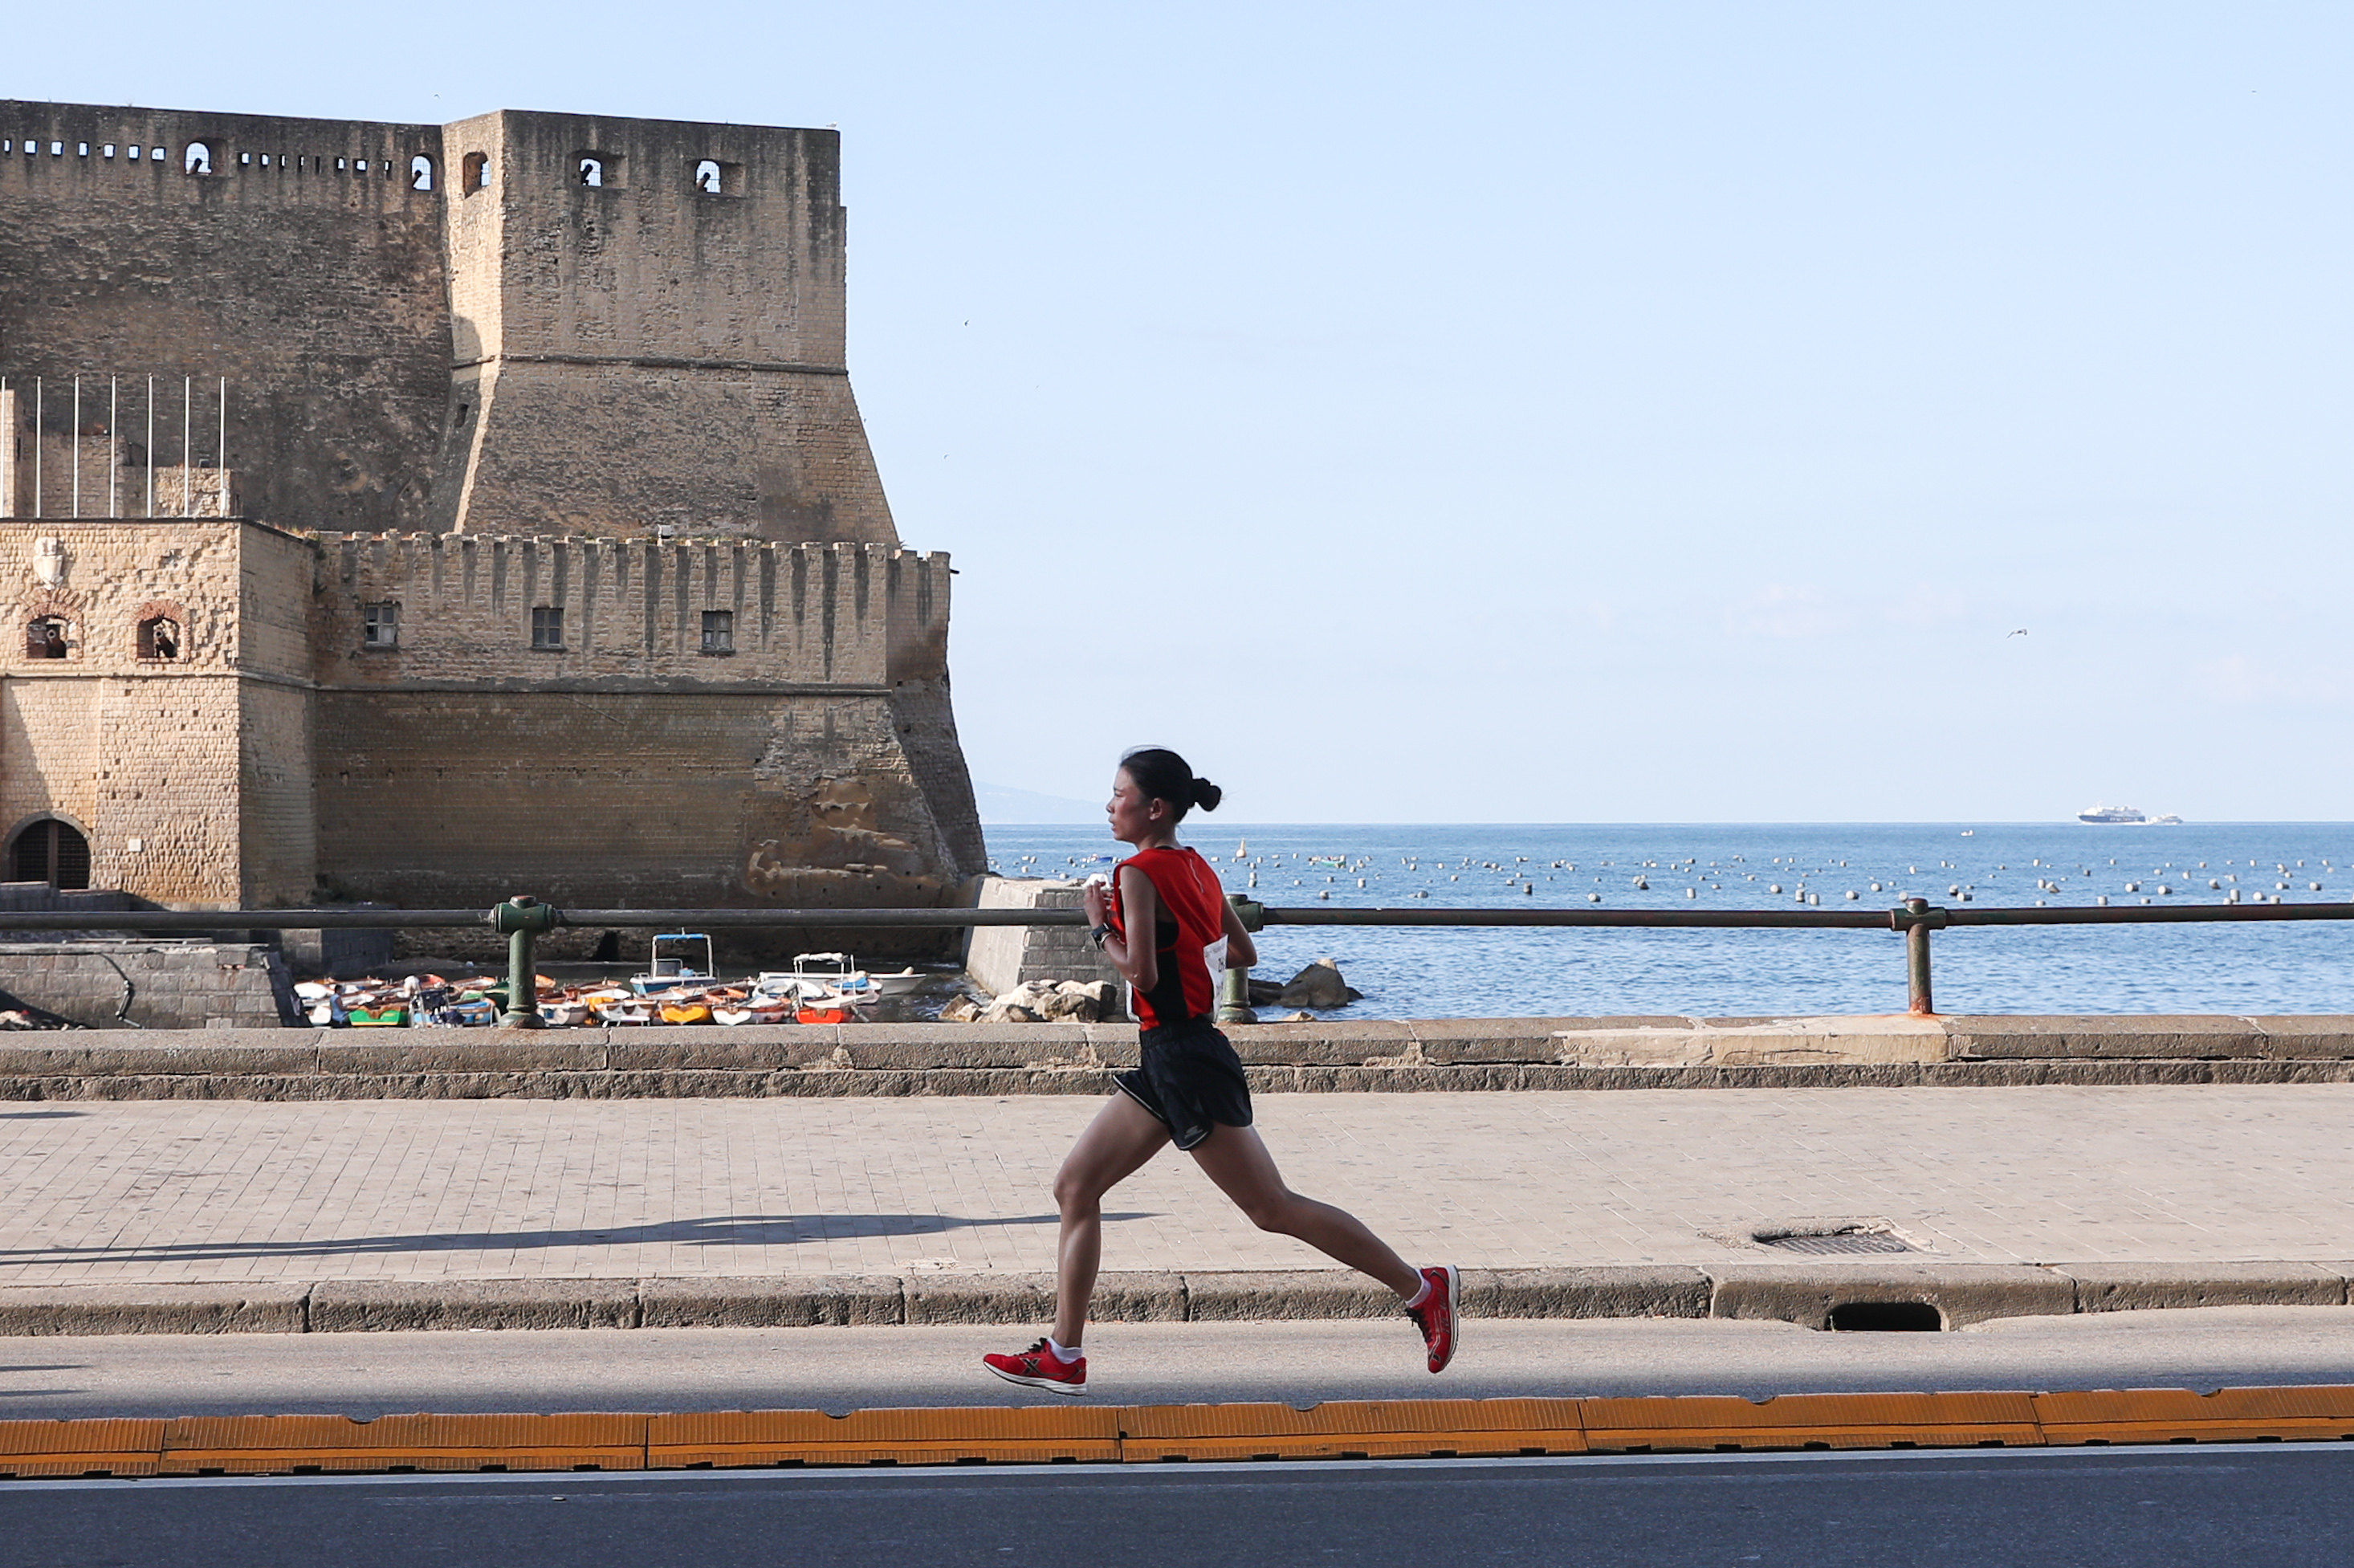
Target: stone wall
<point>644,352</point>
<point>151,985</point>
<point>810,762</point>
<point>305,268</point>
<point>1000,957</point>
<point>190,776</point>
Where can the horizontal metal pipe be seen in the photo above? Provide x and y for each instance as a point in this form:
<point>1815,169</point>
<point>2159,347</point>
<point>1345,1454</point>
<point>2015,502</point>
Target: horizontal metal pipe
<point>2153,915</point>
<point>1856,920</point>
<point>763,919</point>
<point>410,919</point>
<point>920,919</point>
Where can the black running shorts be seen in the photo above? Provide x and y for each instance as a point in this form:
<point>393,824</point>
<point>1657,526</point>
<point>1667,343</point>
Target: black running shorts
<point>1190,1080</point>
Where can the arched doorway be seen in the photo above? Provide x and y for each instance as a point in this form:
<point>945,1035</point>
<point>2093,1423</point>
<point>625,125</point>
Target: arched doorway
<point>52,852</point>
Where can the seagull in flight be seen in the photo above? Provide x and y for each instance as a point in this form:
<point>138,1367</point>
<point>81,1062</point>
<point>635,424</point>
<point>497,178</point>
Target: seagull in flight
<point>2020,633</point>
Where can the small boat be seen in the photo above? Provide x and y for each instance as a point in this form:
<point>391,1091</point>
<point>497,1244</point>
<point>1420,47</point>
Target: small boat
<point>629,1009</point>
<point>902,983</point>
<point>564,1013</point>
<point>471,1011</point>
<point>669,970</point>
<point>755,1009</point>
<point>835,1011</point>
<point>823,978</point>
<point>685,1010</point>
<point>378,1015</point>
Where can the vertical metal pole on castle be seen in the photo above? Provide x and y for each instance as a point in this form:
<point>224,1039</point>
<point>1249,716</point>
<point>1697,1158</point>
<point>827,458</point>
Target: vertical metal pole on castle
<point>114,443</point>
<point>151,446</point>
<point>75,447</point>
<point>187,457</point>
<point>220,450</point>
<point>36,446</point>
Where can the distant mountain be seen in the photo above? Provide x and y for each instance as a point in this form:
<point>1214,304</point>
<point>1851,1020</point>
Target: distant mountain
<point>1000,803</point>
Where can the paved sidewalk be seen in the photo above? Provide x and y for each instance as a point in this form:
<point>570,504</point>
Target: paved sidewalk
<point>420,1189</point>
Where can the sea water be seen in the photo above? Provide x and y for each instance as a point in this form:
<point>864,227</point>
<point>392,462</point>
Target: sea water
<point>2255,967</point>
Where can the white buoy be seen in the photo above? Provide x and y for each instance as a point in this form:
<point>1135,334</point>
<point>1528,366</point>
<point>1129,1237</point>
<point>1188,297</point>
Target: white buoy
<point>1593,898</point>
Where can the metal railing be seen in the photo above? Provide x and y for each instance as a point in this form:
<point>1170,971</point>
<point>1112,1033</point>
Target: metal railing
<point>523,920</point>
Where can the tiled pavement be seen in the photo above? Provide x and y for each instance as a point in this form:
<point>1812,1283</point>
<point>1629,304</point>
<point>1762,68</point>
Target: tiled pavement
<point>161,1191</point>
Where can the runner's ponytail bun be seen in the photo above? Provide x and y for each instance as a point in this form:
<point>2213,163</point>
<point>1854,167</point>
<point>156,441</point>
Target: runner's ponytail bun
<point>1162,775</point>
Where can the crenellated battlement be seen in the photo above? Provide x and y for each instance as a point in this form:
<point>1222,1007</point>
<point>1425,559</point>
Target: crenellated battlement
<point>97,152</point>
<point>435,608</point>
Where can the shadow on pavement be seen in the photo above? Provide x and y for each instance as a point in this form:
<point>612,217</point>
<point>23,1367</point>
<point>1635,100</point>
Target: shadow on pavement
<point>723,1230</point>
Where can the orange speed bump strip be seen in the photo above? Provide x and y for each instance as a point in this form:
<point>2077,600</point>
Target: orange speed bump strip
<point>2178,1416</point>
<point>280,1445</point>
<point>1354,1429</point>
<point>1016,1435</point>
<point>276,1445</point>
<point>1708,1423</point>
<point>105,1448</point>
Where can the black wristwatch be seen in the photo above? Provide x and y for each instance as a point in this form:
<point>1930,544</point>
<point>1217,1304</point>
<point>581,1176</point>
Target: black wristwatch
<point>1098,934</point>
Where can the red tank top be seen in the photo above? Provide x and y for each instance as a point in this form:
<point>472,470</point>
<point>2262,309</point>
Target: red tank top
<point>1191,944</point>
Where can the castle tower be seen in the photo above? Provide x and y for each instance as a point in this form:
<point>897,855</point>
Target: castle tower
<point>566,567</point>
<point>647,326</point>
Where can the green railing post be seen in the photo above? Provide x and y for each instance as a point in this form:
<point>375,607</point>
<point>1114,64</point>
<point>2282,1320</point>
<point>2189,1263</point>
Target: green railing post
<point>1233,986</point>
<point>1916,920</point>
<point>523,917</point>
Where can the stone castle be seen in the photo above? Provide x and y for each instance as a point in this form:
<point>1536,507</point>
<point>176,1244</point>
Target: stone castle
<point>429,513</point>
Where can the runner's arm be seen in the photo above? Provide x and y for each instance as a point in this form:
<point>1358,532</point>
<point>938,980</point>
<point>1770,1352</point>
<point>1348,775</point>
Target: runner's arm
<point>1139,908</point>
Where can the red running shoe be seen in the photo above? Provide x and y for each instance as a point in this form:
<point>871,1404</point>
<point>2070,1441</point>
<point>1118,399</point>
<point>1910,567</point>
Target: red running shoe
<point>1436,1316</point>
<point>1040,1367</point>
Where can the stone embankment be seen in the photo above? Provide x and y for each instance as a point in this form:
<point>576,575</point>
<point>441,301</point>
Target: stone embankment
<point>1383,1055</point>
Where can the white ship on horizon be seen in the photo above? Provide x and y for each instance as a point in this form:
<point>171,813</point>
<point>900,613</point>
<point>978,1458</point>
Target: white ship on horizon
<point>2127,816</point>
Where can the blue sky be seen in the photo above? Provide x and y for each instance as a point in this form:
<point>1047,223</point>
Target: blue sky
<point>1566,413</point>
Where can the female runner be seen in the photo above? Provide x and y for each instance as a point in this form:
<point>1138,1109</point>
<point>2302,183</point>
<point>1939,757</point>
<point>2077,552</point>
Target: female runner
<point>1190,1088</point>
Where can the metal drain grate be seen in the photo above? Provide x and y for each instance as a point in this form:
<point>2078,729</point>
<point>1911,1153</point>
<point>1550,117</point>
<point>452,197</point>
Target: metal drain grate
<point>1843,1243</point>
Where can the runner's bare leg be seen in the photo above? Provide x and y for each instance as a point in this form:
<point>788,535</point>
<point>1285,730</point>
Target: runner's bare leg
<point>1236,1160</point>
<point>1123,1135</point>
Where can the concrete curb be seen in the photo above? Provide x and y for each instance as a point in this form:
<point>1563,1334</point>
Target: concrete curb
<point>1804,1293</point>
<point>1374,1055</point>
<point>855,1083</point>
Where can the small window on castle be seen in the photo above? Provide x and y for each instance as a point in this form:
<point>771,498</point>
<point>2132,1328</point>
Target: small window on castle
<point>719,631</point>
<point>198,160</point>
<point>379,626</point>
<point>478,173</point>
<point>547,626</point>
<point>159,638</point>
<point>420,172</point>
<point>44,637</point>
<point>592,172</point>
<point>154,155</point>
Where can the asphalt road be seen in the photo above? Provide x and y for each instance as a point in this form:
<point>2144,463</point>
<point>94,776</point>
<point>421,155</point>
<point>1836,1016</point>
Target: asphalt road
<point>844,1369</point>
<point>2147,1508</point>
